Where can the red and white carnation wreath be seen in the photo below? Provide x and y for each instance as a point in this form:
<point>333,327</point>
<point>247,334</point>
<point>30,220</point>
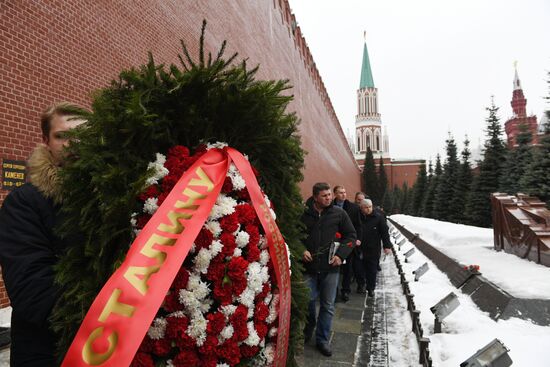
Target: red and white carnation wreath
<point>222,308</point>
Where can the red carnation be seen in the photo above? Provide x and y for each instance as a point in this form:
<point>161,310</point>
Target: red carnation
<point>161,347</point>
<point>230,352</point>
<point>161,198</point>
<point>146,345</point>
<point>223,292</point>
<point>204,239</point>
<point>230,223</point>
<point>178,151</point>
<point>209,345</point>
<point>142,220</point>
<point>169,181</point>
<point>176,327</point>
<point>243,194</point>
<point>216,270</point>
<point>142,360</point>
<point>254,234</point>
<point>175,166</point>
<point>246,213</point>
<point>229,244</point>
<point>253,253</point>
<point>151,192</point>
<point>338,235</point>
<point>216,323</point>
<point>171,302</point>
<point>227,185</point>
<point>261,329</point>
<point>261,312</point>
<point>186,358</point>
<point>265,290</point>
<point>248,352</point>
<point>180,282</point>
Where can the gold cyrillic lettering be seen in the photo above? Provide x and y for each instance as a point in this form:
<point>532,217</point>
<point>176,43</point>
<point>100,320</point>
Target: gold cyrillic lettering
<point>113,306</point>
<point>188,204</point>
<point>203,181</point>
<point>176,227</point>
<point>93,358</point>
<point>138,276</point>
<point>153,253</point>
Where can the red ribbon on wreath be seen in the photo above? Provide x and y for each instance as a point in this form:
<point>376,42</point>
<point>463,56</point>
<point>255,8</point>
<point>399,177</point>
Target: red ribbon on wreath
<point>122,312</point>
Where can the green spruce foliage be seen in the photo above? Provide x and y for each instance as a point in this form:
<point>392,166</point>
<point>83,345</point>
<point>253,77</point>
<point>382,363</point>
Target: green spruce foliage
<point>536,180</point>
<point>462,186</point>
<point>404,205</point>
<point>478,209</point>
<point>149,109</point>
<point>419,191</point>
<point>445,189</point>
<point>370,178</point>
<point>429,200</point>
<point>517,159</point>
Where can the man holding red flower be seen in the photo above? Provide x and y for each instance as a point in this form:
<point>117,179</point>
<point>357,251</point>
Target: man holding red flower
<point>323,221</point>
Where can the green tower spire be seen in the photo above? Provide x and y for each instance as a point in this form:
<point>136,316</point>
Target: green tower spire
<point>366,72</point>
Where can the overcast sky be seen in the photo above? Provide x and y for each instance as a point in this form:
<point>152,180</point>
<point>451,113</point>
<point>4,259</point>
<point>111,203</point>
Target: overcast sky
<point>435,63</point>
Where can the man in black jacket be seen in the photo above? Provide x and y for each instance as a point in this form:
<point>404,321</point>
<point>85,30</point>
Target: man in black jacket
<point>325,225</point>
<point>353,262</point>
<point>29,247</point>
<point>374,231</point>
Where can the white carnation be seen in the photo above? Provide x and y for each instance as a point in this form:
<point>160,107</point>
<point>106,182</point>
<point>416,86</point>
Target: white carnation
<point>218,144</point>
<point>247,297</point>
<point>226,333</point>
<point>215,248</point>
<point>228,310</point>
<point>159,171</point>
<point>242,239</point>
<point>202,261</point>
<point>197,328</point>
<point>157,330</point>
<point>237,252</point>
<point>257,276</point>
<point>225,205</point>
<point>253,338</point>
<point>214,227</point>
<point>269,353</point>
<point>238,182</point>
<point>150,206</point>
<point>264,257</point>
<point>273,215</point>
<point>273,309</point>
<point>222,365</point>
<point>272,332</point>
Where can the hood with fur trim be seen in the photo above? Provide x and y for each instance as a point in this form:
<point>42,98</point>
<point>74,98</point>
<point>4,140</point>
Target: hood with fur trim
<point>44,173</point>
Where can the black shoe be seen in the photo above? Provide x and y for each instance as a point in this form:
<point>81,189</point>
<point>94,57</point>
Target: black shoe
<point>344,297</point>
<point>324,349</point>
<point>371,293</point>
<point>379,268</point>
<point>308,334</point>
<point>361,289</point>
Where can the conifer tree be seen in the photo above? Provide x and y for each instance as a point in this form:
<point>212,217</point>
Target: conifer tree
<point>478,208</point>
<point>405,199</point>
<point>462,186</point>
<point>382,182</point>
<point>397,196</point>
<point>536,180</point>
<point>444,193</point>
<point>419,191</point>
<point>387,204</point>
<point>370,178</point>
<point>428,205</point>
<point>517,159</point>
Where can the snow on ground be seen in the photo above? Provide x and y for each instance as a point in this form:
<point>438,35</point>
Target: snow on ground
<point>5,317</point>
<point>474,245</point>
<point>468,329</point>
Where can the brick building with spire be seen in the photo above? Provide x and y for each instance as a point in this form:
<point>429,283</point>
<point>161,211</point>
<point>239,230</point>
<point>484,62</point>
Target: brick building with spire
<point>520,117</point>
<point>371,133</point>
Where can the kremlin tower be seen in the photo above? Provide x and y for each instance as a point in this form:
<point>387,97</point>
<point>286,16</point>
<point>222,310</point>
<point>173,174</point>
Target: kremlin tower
<point>370,133</point>
<point>520,117</point>
<point>368,124</point>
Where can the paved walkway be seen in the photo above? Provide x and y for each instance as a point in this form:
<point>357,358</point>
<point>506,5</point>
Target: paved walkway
<point>360,326</point>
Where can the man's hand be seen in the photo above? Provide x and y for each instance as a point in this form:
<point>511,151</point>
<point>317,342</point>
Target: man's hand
<point>335,261</point>
<point>387,251</point>
<point>307,256</point>
<point>357,243</point>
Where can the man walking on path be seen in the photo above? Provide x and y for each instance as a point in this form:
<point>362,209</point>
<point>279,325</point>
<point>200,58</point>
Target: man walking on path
<point>322,259</point>
<point>374,231</point>
<point>29,247</point>
<point>353,262</point>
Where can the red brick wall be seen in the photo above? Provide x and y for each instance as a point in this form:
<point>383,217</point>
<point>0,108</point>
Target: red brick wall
<point>63,50</point>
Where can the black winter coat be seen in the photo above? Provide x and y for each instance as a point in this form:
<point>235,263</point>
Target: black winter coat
<point>374,230</point>
<point>28,251</point>
<point>321,232</point>
<point>354,213</point>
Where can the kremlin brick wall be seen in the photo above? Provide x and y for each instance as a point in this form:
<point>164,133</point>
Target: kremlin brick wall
<point>64,50</point>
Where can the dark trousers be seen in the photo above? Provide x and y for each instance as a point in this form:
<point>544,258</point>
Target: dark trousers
<point>353,266</point>
<point>370,270</point>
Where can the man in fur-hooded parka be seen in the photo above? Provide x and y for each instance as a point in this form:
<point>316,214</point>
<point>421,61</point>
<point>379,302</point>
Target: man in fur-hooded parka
<point>29,247</point>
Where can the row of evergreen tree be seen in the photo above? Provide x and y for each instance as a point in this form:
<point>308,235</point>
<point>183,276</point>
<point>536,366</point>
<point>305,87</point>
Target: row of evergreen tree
<point>452,192</point>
